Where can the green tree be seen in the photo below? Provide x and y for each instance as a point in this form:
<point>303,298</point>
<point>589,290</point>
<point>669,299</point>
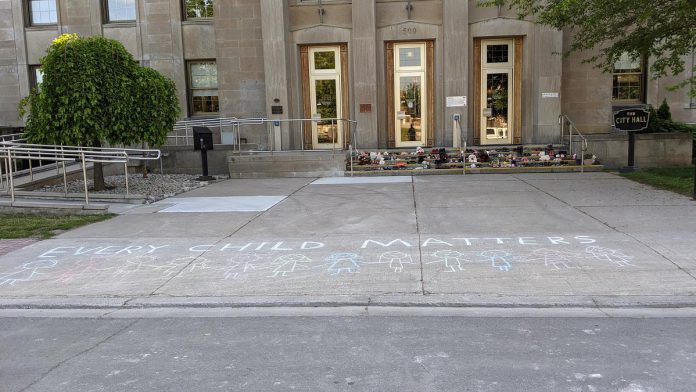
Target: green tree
<point>94,92</point>
<point>662,30</point>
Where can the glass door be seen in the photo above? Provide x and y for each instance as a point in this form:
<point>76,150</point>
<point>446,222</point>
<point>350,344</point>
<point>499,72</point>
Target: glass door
<point>325,97</point>
<point>410,92</point>
<point>496,92</point>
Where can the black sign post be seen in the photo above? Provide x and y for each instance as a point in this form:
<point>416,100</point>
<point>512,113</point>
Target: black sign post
<point>631,121</point>
<point>203,141</point>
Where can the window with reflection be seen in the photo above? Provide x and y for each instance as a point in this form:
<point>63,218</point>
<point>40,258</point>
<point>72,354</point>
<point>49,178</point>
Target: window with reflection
<point>203,85</point>
<point>42,12</point>
<point>198,9</point>
<point>628,79</point>
<point>120,11</point>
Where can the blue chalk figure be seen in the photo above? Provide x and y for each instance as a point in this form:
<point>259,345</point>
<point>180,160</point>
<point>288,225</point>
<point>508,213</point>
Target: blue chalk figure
<point>26,272</point>
<point>396,260</point>
<point>287,264</point>
<point>344,262</point>
<point>452,259</point>
<point>498,259</point>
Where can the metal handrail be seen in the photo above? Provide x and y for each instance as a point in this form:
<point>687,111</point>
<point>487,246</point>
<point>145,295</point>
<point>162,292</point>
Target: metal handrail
<point>11,151</point>
<point>563,120</point>
<point>237,123</point>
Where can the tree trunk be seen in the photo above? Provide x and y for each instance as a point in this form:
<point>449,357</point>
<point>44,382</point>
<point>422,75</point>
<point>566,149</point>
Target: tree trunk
<point>99,184</point>
<point>98,172</point>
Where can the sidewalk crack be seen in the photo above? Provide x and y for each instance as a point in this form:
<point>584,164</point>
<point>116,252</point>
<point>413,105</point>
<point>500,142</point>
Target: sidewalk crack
<point>85,351</point>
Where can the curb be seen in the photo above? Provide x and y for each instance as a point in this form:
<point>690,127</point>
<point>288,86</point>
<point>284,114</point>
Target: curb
<point>406,301</point>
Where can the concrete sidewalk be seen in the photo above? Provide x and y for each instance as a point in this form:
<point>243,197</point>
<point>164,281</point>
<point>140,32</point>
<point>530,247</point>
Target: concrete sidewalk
<point>542,240</point>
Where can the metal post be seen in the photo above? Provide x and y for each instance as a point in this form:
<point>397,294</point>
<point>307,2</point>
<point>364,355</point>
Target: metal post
<point>125,166</point>
<point>631,149</point>
<point>303,138</point>
<point>65,174</point>
<point>333,138</point>
<point>84,175</point>
<point>10,180</point>
<point>464,159</point>
<point>31,170</point>
<point>2,164</point>
<point>65,179</point>
<point>350,147</point>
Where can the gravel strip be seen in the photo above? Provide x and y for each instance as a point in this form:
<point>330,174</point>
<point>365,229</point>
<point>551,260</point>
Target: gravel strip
<point>155,187</point>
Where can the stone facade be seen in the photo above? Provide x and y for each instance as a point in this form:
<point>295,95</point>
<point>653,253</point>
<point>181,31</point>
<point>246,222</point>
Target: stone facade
<point>256,45</point>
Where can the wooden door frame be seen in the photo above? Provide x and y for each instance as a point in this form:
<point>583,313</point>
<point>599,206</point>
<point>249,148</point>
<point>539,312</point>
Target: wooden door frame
<point>308,139</point>
<point>516,131</point>
<point>430,99</point>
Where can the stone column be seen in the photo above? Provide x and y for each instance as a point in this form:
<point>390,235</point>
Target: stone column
<point>161,43</point>
<point>239,48</point>
<point>274,19</point>
<point>14,82</point>
<point>455,15</point>
<point>548,68</point>
<point>364,73</point>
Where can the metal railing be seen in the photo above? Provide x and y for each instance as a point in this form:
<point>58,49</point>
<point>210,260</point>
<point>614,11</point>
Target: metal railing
<point>567,124</point>
<point>237,131</point>
<point>13,151</point>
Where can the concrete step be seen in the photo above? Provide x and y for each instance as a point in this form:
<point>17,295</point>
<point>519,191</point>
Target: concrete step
<point>51,207</point>
<point>481,170</point>
<point>287,164</point>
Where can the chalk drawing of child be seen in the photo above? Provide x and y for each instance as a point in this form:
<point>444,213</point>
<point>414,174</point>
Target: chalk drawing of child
<point>238,265</point>
<point>611,255</point>
<point>26,272</point>
<point>286,264</point>
<point>396,260</point>
<point>451,258</point>
<point>83,268</point>
<point>344,262</point>
<point>554,258</point>
<point>498,259</point>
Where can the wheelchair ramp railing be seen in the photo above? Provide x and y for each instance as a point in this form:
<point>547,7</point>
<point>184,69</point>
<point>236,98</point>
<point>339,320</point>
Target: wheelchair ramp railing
<point>12,152</point>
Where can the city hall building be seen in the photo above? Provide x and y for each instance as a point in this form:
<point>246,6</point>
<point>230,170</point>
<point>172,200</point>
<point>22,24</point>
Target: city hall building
<point>410,73</point>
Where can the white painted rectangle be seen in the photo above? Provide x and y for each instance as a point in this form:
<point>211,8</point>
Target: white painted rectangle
<point>456,101</point>
<point>361,180</point>
<point>549,95</point>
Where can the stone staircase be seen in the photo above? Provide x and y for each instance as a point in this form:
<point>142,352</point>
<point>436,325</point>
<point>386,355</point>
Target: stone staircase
<point>482,159</point>
<point>287,164</point>
<point>498,159</point>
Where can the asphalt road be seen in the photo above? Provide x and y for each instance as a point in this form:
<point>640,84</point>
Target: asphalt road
<point>327,351</point>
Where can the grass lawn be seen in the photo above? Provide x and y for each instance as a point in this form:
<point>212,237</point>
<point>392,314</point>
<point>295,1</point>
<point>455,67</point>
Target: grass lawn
<point>36,226</point>
<point>675,179</point>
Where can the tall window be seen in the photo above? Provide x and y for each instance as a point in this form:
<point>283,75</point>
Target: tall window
<point>35,76</point>
<point>42,12</point>
<point>195,9</point>
<point>203,84</point>
<point>120,11</point>
<point>628,82</point>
